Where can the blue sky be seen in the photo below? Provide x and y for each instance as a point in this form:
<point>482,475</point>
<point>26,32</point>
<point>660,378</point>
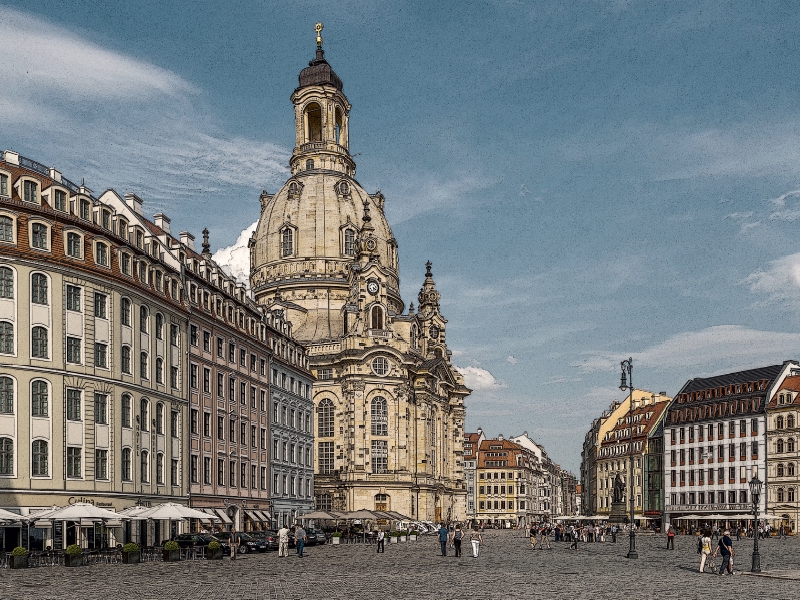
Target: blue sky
<point>592,180</point>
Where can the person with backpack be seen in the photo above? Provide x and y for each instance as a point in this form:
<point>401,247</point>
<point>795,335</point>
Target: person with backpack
<point>704,545</point>
<point>475,538</point>
<point>457,537</point>
<point>670,538</point>
<point>725,548</point>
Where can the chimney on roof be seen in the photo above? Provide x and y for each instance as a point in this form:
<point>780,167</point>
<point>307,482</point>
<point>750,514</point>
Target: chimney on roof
<point>162,221</point>
<point>134,202</point>
<point>500,437</point>
<point>662,393</point>
<point>54,174</point>
<point>187,239</point>
<point>11,157</point>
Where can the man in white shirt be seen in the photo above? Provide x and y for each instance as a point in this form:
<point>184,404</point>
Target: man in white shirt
<point>283,541</point>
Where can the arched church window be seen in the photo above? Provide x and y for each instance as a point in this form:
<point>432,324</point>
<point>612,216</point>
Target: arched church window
<point>344,188</point>
<point>376,319</point>
<point>309,164</point>
<point>380,416</point>
<point>293,189</point>
<point>314,120</point>
<point>349,242</point>
<point>338,128</point>
<point>287,242</point>
<point>325,418</point>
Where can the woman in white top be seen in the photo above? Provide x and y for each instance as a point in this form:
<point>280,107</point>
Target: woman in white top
<point>705,549</point>
<point>476,539</point>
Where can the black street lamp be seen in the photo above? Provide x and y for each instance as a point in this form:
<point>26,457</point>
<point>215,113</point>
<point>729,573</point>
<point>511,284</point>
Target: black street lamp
<point>755,493</point>
<point>627,384</point>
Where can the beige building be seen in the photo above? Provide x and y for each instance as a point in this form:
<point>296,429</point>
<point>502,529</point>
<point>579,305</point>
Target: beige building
<point>783,454</point>
<point>389,404</point>
<point>92,339</point>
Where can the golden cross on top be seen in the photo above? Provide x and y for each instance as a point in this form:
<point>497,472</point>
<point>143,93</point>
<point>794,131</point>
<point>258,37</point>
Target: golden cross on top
<point>318,29</point>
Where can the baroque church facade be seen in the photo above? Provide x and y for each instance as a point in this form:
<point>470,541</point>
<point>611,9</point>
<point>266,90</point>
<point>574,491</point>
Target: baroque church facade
<point>389,404</point>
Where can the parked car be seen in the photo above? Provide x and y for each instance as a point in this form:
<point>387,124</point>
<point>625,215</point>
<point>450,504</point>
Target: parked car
<point>247,542</point>
<point>269,536</point>
<point>186,540</point>
<point>317,535</point>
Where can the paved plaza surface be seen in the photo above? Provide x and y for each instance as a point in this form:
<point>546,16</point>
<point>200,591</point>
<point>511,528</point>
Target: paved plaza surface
<point>507,568</point>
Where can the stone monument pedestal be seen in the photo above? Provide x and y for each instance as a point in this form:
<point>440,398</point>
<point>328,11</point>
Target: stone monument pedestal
<point>619,513</point>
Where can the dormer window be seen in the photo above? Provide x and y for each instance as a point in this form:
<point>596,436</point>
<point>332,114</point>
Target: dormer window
<point>60,200</point>
<point>122,229</point>
<point>30,191</point>
<point>74,244</point>
<point>4,185</point>
<point>39,236</point>
<point>101,254</point>
<point>84,209</point>
<point>139,239</point>
<point>106,219</point>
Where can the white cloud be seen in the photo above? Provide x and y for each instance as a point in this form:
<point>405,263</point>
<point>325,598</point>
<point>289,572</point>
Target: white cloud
<point>731,345</point>
<point>139,127</point>
<point>780,281</point>
<point>477,378</point>
<point>512,360</point>
<point>236,257</point>
<point>784,212</point>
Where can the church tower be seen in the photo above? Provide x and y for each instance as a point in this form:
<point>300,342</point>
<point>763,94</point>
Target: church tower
<point>389,404</point>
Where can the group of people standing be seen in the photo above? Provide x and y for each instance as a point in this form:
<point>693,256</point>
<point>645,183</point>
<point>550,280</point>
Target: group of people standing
<point>456,536</point>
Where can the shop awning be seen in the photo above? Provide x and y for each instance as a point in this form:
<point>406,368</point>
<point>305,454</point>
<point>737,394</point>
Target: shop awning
<point>265,516</point>
<point>223,515</point>
<point>251,514</point>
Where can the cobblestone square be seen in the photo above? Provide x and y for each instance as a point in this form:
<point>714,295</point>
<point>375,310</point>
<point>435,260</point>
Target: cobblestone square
<point>506,568</point>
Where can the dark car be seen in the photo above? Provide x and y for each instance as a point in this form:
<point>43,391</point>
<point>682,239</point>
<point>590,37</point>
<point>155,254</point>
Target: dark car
<point>186,540</point>
<point>315,536</point>
<point>247,543</point>
<point>268,536</point>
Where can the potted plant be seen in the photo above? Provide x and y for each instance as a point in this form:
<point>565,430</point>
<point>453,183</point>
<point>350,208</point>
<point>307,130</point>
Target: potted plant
<point>403,535</point>
<point>214,551</point>
<point>74,556</point>
<point>336,537</point>
<point>172,552</point>
<point>412,535</point>
<point>394,537</point>
<point>131,555</point>
<point>19,558</point>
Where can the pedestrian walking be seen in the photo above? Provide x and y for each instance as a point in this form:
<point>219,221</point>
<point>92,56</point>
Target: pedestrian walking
<point>574,543</point>
<point>670,538</point>
<point>475,538</point>
<point>532,534</point>
<point>283,541</point>
<point>705,549</point>
<point>457,537</point>
<point>545,538</point>
<point>234,543</point>
<point>725,548</point>
<point>782,532</point>
<point>613,534</point>
<point>444,534</point>
<point>380,537</point>
<point>300,539</point>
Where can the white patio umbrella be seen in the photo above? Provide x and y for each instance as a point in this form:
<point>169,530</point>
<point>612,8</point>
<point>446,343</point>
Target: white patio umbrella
<point>6,515</point>
<point>82,510</point>
<point>173,511</point>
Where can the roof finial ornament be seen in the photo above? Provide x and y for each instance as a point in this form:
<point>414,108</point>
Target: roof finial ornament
<point>206,245</point>
<point>428,266</point>
<point>366,218</point>
<point>318,28</point>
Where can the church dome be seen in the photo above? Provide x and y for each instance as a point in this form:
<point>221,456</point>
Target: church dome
<point>319,72</point>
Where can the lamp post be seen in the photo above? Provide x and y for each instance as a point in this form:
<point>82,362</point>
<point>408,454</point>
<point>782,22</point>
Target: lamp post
<point>755,493</point>
<point>626,383</point>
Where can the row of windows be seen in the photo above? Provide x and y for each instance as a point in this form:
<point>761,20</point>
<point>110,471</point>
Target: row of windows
<point>288,240</point>
<point>379,457</point>
<point>379,417</point>
<point>40,406</point>
<point>697,476</point>
<point>258,397</point>
<point>688,433</point>
<point>499,505</point>
<point>294,418</point>
<point>708,454</point>
<point>290,384</point>
<point>779,422</point>
<point>254,360</point>
<point>247,473</point>
<point>730,497</point>
<point>40,461</point>
<point>502,489</point>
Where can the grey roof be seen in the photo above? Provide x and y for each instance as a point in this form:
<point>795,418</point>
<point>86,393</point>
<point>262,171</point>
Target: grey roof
<point>703,383</point>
